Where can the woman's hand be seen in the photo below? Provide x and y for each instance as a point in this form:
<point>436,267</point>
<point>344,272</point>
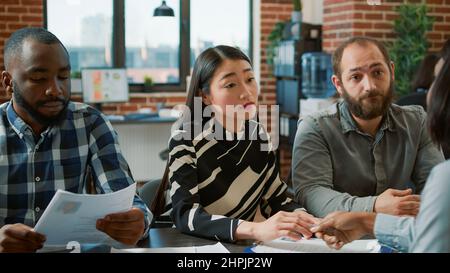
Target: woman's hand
<point>293,225</point>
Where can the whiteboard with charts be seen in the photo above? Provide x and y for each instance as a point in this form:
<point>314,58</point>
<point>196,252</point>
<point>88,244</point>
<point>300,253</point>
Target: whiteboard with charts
<point>104,85</point>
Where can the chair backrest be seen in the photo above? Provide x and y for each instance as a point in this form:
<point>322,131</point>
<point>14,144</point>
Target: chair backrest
<point>148,191</point>
<point>414,99</point>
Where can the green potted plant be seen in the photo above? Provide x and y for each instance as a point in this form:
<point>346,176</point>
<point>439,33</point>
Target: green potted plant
<point>75,74</point>
<point>411,45</point>
<point>274,38</point>
<point>297,5</point>
<point>75,81</point>
<point>148,82</point>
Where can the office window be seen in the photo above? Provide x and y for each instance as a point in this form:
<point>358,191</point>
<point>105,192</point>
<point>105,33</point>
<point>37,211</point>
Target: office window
<point>152,43</point>
<point>85,28</point>
<point>218,22</point>
<point>124,33</point>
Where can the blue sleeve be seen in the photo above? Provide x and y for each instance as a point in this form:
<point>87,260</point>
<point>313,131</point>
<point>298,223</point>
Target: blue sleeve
<point>393,231</point>
<point>432,228</point>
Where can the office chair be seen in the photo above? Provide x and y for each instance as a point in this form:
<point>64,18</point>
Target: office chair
<point>148,191</point>
<point>414,99</point>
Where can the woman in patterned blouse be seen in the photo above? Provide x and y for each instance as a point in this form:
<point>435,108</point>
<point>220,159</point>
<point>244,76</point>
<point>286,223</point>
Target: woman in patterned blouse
<point>222,169</point>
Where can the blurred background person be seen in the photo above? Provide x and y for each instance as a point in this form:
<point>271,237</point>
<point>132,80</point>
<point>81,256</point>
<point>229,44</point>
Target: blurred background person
<point>421,83</point>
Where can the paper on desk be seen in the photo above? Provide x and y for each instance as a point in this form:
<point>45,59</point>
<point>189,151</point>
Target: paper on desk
<point>216,248</point>
<point>282,245</point>
<point>72,217</point>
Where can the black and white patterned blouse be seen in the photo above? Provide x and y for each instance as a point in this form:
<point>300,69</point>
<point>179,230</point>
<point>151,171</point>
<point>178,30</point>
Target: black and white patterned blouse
<point>215,184</point>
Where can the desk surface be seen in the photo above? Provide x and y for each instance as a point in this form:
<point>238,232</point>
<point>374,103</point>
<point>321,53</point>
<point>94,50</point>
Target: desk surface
<point>145,120</point>
<point>171,237</point>
<point>161,237</point>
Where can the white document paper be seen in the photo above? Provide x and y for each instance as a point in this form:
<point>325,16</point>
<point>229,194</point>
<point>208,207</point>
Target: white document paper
<point>72,217</point>
<point>282,245</point>
<point>216,248</point>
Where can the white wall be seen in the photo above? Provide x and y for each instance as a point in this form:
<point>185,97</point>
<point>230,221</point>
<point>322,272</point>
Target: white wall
<point>312,11</point>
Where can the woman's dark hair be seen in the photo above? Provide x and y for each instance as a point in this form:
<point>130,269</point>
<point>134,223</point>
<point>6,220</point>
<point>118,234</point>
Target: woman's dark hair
<point>205,66</point>
<point>439,106</point>
<point>424,75</point>
<point>445,51</point>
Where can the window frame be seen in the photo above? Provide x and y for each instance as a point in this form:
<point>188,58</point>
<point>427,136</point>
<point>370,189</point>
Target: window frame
<point>118,46</point>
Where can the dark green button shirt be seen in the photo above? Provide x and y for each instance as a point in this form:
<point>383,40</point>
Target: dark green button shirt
<point>338,167</point>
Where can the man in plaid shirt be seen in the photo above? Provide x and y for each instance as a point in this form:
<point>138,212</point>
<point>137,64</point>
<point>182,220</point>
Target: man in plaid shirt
<point>48,143</point>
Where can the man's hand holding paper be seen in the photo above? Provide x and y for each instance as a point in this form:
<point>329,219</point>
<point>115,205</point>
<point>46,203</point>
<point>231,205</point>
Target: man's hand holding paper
<point>125,227</point>
<point>75,217</point>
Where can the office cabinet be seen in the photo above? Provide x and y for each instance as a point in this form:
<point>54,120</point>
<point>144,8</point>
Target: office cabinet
<point>288,73</point>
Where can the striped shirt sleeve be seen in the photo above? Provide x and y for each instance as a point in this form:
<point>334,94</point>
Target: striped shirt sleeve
<point>187,213</point>
<point>275,197</point>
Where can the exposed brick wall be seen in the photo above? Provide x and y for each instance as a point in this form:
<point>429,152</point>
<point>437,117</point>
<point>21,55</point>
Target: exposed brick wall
<point>343,19</point>
<point>272,11</point>
<point>285,161</point>
<point>16,14</point>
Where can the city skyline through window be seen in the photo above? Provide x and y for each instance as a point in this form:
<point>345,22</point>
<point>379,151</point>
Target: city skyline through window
<point>152,44</point>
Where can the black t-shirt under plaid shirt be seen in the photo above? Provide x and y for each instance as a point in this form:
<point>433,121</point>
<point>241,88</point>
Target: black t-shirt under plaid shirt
<point>33,168</point>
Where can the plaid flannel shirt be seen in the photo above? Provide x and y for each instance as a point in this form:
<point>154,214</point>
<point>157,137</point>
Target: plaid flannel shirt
<point>33,168</point>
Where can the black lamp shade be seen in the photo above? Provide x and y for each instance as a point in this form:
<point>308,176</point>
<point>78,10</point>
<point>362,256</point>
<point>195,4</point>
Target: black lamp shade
<point>163,10</point>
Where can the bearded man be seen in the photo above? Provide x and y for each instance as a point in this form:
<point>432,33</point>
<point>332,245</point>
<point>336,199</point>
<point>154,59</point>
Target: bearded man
<point>363,153</point>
